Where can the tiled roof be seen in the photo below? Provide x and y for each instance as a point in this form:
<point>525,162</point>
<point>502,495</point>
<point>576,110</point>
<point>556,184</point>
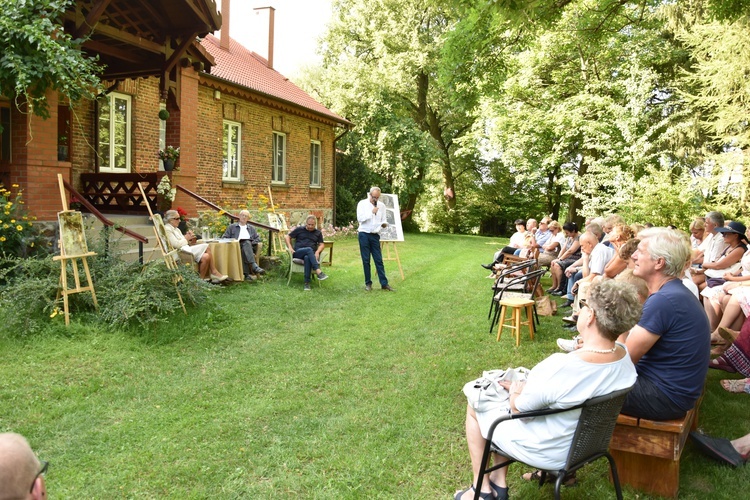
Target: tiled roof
<point>247,69</point>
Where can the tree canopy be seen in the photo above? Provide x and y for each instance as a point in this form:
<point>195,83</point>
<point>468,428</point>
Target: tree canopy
<point>36,55</point>
<point>480,112</point>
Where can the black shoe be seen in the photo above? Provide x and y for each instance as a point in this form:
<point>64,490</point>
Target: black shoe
<point>387,288</point>
<point>249,277</point>
<point>568,303</point>
<point>557,293</point>
<point>368,288</point>
<point>259,271</point>
<point>488,266</point>
<point>571,328</point>
<point>571,320</point>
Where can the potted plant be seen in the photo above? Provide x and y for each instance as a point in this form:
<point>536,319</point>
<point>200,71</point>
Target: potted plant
<point>165,194</point>
<point>169,156</point>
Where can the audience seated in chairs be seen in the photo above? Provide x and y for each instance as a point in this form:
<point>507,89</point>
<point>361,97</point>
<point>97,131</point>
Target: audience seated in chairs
<point>570,253</point>
<point>249,244</point>
<point>308,243</point>
<point>200,251</point>
<point>670,343</point>
<point>618,237</point>
<point>600,367</point>
<point>594,258</point>
<point>697,231</point>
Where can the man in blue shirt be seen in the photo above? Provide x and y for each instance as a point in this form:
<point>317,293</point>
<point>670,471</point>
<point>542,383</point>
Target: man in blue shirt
<point>308,243</point>
<point>670,345</point>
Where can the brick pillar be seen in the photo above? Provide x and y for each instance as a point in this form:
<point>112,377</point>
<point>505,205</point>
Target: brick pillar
<point>34,160</point>
<point>188,117</point>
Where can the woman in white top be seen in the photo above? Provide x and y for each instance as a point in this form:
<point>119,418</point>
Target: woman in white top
<point>599,367</point>
<point>201,252</point>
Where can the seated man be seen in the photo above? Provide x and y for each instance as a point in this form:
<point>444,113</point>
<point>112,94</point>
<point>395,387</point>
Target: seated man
<point>308,243</point>
<point>21,473</point>
<point>594,258</point>
<point>670,345</point>
<point>249,243</point>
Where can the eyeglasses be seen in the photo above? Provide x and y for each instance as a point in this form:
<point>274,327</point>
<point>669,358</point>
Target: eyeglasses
<point>582,303</point>
<point>42,471</point>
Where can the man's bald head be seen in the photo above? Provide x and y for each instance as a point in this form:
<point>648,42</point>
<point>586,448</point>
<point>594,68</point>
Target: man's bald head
<point>18,466</point>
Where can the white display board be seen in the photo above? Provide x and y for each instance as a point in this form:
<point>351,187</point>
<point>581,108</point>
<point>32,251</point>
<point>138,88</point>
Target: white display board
<point>394,231</point>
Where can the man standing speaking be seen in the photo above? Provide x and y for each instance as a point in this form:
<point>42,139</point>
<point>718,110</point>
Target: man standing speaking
<point>371,217</point>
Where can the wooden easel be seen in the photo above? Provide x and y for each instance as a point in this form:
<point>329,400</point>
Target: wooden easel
<point>81,253</point>
<point>277,237</point>
<point>388,245</point>
<point>162,242</point>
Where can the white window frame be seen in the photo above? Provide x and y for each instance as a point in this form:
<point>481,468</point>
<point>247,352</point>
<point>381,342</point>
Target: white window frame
<point>112,146</point>
<point>315,171</point>
<point>228,159</point>
<point>278,169</point>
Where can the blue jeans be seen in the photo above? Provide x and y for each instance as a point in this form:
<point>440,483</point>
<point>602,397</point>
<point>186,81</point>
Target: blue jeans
<point>369,244</point>
<point>308,255</point>
<point>572,281</point>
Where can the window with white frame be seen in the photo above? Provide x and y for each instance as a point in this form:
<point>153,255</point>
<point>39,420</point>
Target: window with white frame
<point>114,125</point>
<point>278,174</point>
<point>315,163</point>
<point>232,147</point>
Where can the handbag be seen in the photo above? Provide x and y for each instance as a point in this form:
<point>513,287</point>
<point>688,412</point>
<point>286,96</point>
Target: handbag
<point>712,282</point>
<point>485,393</point>
<point>545,306</point>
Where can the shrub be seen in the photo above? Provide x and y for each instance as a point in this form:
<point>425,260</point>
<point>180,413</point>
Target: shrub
<point>17,233</point>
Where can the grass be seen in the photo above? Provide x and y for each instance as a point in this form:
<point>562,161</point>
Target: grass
<point>279,393</point>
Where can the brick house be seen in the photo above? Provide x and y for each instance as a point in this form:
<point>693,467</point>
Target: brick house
<point>241,126</point>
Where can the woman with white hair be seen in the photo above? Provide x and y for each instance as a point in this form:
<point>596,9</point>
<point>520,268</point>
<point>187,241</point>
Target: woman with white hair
<point>201,252</point>
<point>599,367</point>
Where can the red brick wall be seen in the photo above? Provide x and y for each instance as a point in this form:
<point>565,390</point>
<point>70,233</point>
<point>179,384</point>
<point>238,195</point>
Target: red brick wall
<point>258,122</point>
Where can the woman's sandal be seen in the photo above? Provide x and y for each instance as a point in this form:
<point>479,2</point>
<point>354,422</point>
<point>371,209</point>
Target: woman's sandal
<point>721,364</point>
<point>728,334</point>
<point>735,386</point>
<point>717,339</point>
<point>500,492</point>
<point>483,495</point>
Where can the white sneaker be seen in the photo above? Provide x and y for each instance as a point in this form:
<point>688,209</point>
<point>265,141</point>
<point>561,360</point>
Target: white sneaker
<point>568,345</point>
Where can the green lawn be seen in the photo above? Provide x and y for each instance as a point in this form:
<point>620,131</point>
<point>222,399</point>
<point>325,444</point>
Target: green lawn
<point>279,393</point>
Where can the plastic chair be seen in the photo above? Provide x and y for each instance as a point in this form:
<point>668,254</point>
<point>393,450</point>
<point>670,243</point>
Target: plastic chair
<point>590,440</point>
<point>298,267</point>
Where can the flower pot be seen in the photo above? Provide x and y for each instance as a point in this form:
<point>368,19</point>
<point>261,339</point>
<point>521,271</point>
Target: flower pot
<point>168,165</point>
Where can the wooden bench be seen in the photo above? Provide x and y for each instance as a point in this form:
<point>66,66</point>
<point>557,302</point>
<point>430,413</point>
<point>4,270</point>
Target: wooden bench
<point>647,452</point>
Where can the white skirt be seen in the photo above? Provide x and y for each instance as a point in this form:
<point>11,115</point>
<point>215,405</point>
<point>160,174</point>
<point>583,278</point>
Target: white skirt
<point>197,250</point>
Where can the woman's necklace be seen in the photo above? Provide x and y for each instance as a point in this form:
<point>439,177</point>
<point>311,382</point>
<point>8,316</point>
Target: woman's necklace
<point>598,351</point>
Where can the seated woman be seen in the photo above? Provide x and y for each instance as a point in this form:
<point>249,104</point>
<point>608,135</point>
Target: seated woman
<point>599,367</point>
<point>727,305</point>
<point>697,232</point>
<point>517,240</point>
<point>570,252</point>
<point>201,252</point>
<point>619,235</point>
<point>729,262</point>
<point>551,249</point>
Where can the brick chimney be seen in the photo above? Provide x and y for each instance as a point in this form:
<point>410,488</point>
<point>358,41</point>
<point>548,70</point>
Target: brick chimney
<point>224,40</point>
<point>271,12</point>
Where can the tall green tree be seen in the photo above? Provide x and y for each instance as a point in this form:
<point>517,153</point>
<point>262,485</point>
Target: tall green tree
<point>383,61</point>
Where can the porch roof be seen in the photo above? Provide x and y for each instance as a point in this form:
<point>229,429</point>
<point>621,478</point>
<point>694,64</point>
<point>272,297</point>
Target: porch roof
<point>135,38</point>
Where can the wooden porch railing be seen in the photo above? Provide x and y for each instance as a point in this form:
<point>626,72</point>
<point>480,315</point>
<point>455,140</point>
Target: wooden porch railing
<point>199,198</point>
<point>119,192</point>
<point>106,222</point>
